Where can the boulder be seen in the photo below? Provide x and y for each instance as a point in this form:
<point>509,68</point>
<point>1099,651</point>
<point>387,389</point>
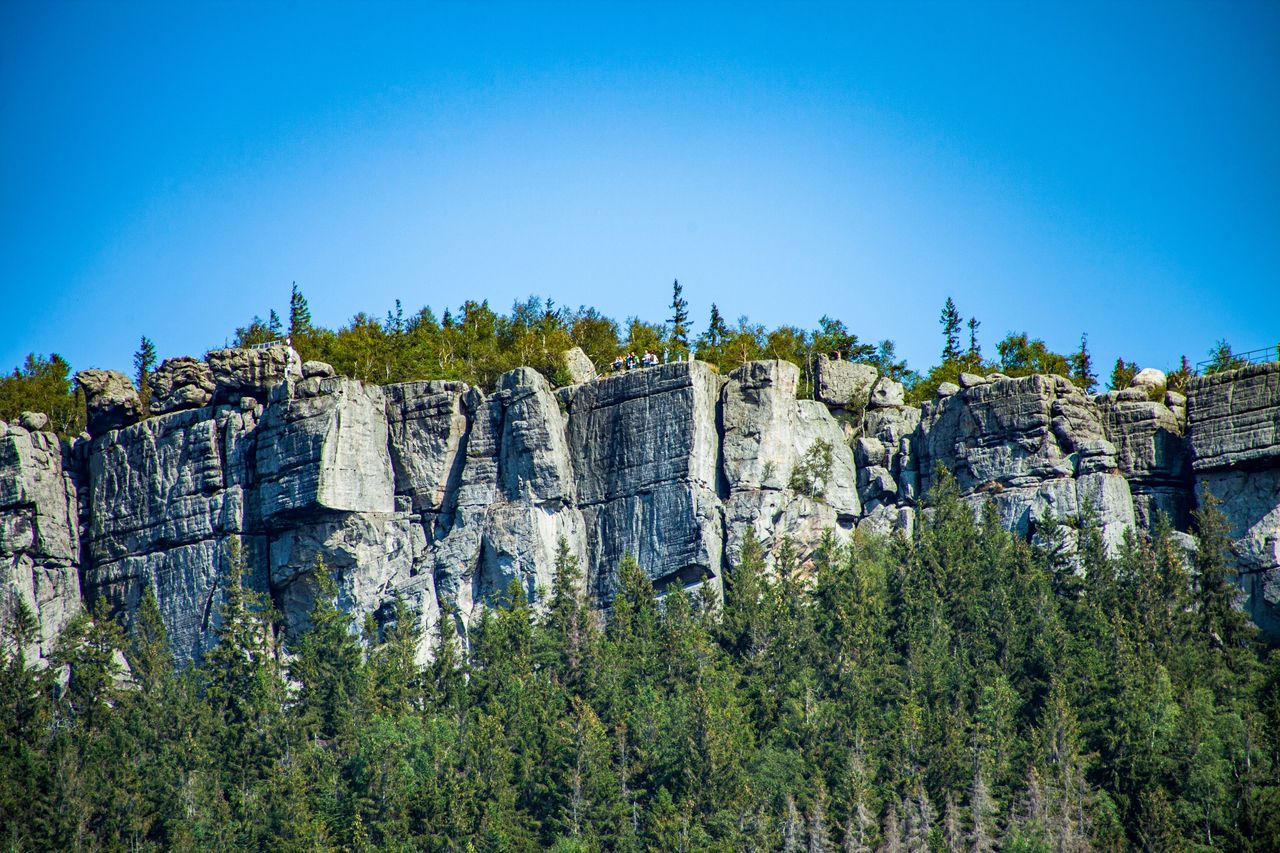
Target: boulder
<point>111,401</point>
<point>181,383</point>
<point>33,421</point>
<point>251,371</point>
<point>972,380</point>
<point>1148,377</point>
<point>946,389</point>
<point>578,363</point>
<point>886,393</point>
<point>843,384</point>
<point>319,369</point>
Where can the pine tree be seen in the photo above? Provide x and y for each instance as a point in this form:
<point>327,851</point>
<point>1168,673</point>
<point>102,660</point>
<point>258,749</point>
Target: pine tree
<point>679,318</point>
<point>717,329</point>
<point>973,358</point>
<point>144,361</point>
<point>951,322</point>
<point>274,327</point>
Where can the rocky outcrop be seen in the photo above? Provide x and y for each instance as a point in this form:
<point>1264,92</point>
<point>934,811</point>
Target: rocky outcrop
<point>1151,453</point>
<point>446,496</point>
<point>1033,447</point>
<point>181,383</point>
<point>1233,426</point>
<point>111,401</point>
<point>580,366</point>
<point>769,440</point>
<point>39,539</point>
<point>251,372</point>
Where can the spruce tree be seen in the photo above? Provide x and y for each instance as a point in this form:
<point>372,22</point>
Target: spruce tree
<point>299,315</point>
<point>328,665</point>
<point>679,318</point>
<point>951,322</point>
<point>144,361</point>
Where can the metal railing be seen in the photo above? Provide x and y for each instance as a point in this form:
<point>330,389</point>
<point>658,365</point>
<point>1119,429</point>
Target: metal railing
<point>1239,359</point>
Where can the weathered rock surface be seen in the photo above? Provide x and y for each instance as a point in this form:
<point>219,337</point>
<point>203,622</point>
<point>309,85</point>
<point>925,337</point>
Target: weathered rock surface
<point>1234,418</point>
<point>111,401</point>
<point>645,454</point>
<point>444,495</point>
<point>39,542</point>
<point>181,383</point>
<point>251,372</point>
<point>766,436</point>
<point>580,366</point>
<point>1151,454</point>
<point>1032,446</point>
<point>1233,426</point>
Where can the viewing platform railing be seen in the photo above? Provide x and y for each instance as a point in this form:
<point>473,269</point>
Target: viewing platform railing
<point>1240,359</point>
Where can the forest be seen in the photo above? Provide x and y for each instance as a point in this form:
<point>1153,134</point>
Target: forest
<point>958,690</point>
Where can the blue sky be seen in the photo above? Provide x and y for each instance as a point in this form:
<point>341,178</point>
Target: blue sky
<point>169,169</point>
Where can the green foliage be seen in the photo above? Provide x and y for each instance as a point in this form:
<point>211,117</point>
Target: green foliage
<point>144,361</point>
<point>43,385</point>
<point>960,689</point>
<point>1221,357</point>
<point>1122,374</point>
<point>810,474</point>
<point>679,321</point>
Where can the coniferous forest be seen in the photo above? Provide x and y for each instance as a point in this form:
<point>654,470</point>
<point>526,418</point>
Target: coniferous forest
<point>961,690</point>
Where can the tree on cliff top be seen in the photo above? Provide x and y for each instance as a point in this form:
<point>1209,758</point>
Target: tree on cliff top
<point>679,318</point>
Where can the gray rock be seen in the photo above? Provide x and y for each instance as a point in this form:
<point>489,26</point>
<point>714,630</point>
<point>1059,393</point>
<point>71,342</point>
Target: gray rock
<point>843,383</point>
<point>181,383</point>
<point>1133,395</point>
<point>325,448</point>
<point>1174,400</point>
<point>320,369</point>
<point>39,541</point>
<point>1151,454</point>
<point>111,401</point>
<point>578,363</point>
<point>1233,418</point>
<point>1033,446</point>
<point>766,434</point>
<point>427,426</point>
<point>946,389</point>
<point>886,393</point>
<point>972,380</point>
<point>645,447</point>
<point>33,421</point>
<point>1251,503</point>
<point>253,372</point>
<point>1148,377</point>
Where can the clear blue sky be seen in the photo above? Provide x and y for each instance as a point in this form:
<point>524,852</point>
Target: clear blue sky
<point>1114,168</point>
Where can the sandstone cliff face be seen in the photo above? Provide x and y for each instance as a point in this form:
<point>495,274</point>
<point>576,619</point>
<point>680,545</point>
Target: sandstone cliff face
<point>1233,422</point>
<point>445,496</point>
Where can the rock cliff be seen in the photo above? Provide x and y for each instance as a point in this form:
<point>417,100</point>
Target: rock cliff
<point>445,495</point>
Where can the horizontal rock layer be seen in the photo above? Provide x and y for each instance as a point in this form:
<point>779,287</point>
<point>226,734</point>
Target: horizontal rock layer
<point>443,495</point>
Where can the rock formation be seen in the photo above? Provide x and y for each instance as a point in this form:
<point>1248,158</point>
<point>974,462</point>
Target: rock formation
<point>445,496</point>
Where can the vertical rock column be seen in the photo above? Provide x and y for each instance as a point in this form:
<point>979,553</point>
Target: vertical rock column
<point>645,451</point>
<point>39,543</point>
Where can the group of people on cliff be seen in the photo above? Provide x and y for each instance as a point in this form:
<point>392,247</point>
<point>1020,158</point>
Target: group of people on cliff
<point>630,361</point>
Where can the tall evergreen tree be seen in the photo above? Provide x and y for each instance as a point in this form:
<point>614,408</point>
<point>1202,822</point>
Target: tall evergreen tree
<point>951,322</point>
<point>1082,367</point>
<point>144,361</point>
<point>679,317</point>
<point>299,314</point>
